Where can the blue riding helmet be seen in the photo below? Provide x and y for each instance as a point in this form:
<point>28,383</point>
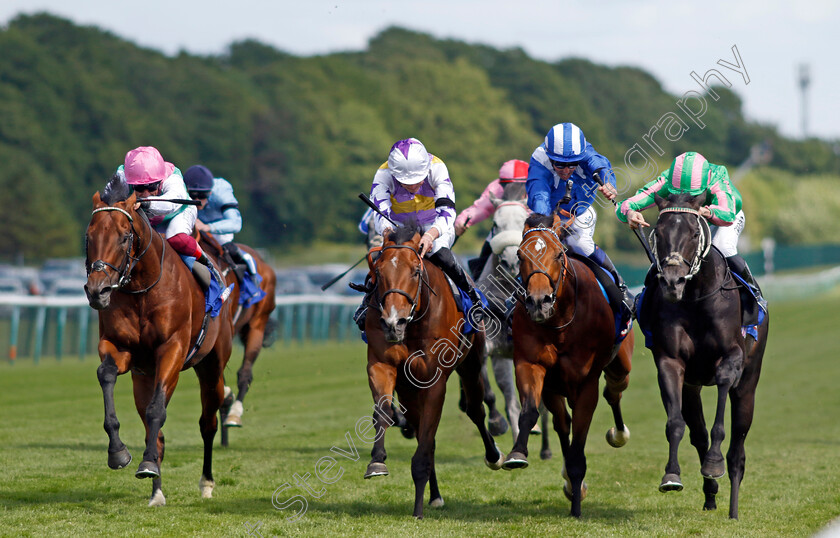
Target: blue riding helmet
<point>198,178</point>
<point>565,143</point>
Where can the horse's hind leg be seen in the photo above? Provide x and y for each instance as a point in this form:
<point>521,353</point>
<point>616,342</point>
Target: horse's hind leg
<point>422,462</point>
<point>253,337</point>
<point>617,377</point>
<point>114,363</point>
<point>727,375</point>
<point>503,372</point>
<point>496,423</point>
<point>545,450</point>
<point>211,382</point>
<point>692,411</point>
<point>470,372</point>
<point>435,499</point>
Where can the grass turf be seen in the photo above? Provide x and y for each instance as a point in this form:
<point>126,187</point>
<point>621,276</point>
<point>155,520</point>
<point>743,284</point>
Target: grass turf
<point>307,399</point>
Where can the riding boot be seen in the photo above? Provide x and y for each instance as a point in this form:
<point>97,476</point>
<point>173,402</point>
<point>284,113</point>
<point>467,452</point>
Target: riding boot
<point>444,259</point>
<point>476,265</point>
<point>738,265</point>
<point>240,258</point>
<point>600,257</point>
<point>360,315</point>
<point>205,261</point>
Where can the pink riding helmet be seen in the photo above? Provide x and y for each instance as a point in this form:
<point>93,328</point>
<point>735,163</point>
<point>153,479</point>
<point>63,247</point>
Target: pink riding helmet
<point>144,165</point>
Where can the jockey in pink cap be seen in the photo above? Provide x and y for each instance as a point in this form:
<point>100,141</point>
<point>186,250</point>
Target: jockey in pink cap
<point>155,180</point>
<point>511,172</point>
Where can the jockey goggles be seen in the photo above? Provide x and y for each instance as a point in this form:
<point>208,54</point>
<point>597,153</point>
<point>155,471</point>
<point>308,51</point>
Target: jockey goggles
<point>558,164</point>
<point>148,187</point>
<point>199,195</point>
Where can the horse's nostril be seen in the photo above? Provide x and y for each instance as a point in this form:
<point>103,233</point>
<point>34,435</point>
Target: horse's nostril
<point>402,322</point>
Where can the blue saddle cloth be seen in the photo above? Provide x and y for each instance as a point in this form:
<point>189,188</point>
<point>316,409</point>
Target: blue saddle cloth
<point>216,294</point>
<point>622,315</point>
<point>465,304</point>
<point>250,292</point>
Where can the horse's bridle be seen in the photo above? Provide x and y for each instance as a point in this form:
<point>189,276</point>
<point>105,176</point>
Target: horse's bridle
<point>675,258</point>
<point>422,277</point>
<point>128,261</point>
<point>555,286</point>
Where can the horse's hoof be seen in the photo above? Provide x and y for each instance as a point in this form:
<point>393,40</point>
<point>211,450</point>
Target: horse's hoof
<point>545,454</point>
<point>119,459</point>
<point>713,468</point>
<point>498,463</point>
<point>376,469</point>
<point>436,503</point>
<point>536,430</point>
<point>567,490</point>
<point>567,487</point>
<point>407,431</point>
<point>515,460</point>
<point>157,498</point>
<point>148,469</point>
<point>670,482</point>
<point>497,426</point>
<point>206,487</point>
<point>233,421</point>
<point>618,439</point>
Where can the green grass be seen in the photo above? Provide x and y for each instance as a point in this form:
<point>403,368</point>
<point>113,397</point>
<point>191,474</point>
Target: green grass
<point>304,400</point>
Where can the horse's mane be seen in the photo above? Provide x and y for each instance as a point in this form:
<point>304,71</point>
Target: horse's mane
<point>537,220</point>
<point>684,199</point>
<point>514,191</point>
<point>405,233</point>
<point>116,190</point>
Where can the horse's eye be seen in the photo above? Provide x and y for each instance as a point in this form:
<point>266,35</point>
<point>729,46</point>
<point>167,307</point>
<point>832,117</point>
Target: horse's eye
<point>697,233</point>
<point>125,239</point>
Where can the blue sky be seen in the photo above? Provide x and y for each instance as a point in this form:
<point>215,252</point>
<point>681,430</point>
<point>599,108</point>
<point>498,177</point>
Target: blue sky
<point>668,39</point>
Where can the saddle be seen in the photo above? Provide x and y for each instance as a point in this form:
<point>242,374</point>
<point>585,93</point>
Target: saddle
<point>623,316</point>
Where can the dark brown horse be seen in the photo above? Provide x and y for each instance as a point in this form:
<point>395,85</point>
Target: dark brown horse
<point>415,342</point>
<point>563,338</point>
<point>694,315</point>
<point>253,324</point>
<point>151,313</point>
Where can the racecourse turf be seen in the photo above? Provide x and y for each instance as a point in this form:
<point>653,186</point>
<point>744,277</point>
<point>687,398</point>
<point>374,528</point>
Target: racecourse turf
<point>306,399</point>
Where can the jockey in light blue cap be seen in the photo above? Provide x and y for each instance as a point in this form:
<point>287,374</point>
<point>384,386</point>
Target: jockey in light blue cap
<point>565,156</point>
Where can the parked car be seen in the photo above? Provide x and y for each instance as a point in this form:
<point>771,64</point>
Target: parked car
<point>66,287</point>
<point>12,286</point>
<point>294,282</point>
<point>62,268</point>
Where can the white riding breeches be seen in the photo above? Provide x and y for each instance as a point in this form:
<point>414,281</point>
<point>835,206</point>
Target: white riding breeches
<point>725,238</point>
<point>182,223</point>
<point>583,229</point>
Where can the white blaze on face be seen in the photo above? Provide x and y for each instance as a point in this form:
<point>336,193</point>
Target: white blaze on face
<point>539,245</point>
<point>393,316</point>
<point>394,262</point>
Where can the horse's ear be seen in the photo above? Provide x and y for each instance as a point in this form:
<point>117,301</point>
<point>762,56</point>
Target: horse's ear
<point>131,200</point>
<point>660,201</point>
<point>97,200</point>
<point>697,201</point>
<point>495,200</point>
<point>563,222</point>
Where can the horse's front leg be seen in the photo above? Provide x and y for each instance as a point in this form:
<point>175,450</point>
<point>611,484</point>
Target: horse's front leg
<point>529,381</point>
<point>382,379</point>
<point>212,385</point>
<point>692,410</point>
<point>422,462</point>
<point>114,363</point>
<point>671,375</point>
<point>727,375</point>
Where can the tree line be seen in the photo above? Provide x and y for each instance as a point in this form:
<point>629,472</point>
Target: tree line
<point>299,137</point>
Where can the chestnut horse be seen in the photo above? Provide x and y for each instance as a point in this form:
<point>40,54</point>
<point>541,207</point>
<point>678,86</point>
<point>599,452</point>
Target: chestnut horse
<point>415,342</point>
<point>694,315</point>
<point>253,324</point>
<point>151,315</point>
<point>563,338</point>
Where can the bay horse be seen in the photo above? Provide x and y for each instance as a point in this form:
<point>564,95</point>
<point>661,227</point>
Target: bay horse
<point>498,282</point>
<point>253,324</point>
<point>415,342</point>
<point>151,320</point>
<point>694,314</point>
<point>563,339</point>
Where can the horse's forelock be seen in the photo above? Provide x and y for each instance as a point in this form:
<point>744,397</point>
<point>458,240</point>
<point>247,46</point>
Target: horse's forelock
<point>538,220</point>
<point>683,200</point>
<point>117,190</point>
<point>404,234</point>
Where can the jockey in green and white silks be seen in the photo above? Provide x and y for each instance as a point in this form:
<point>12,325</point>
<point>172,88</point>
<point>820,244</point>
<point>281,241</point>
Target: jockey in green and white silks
<point>691,173</point>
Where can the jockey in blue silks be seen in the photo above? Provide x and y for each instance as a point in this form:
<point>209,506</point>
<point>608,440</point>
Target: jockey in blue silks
<point>218,213</point>
<point>565,156</point>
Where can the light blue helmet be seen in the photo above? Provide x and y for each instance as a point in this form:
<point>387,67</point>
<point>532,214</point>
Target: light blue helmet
<point>565,143</point>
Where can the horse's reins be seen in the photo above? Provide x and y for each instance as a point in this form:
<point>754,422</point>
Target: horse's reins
<point>555,285</point>
<point>129,261</point>
<point>675,258</point>
<point>422,276</point>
